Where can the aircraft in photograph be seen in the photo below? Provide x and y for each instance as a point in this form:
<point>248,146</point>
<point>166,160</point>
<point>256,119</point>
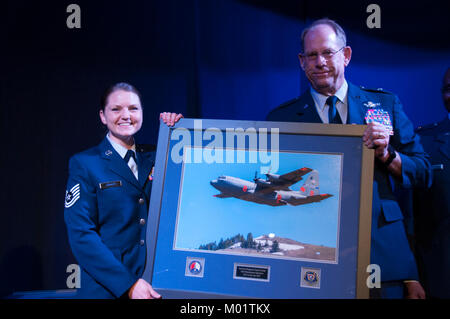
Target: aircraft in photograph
<point>274,190</point>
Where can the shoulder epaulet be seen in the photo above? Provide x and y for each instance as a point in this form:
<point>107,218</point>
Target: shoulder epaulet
<point>424,128</point>
<point>377,90</point>
<point>287,103</point>
<point>145,147</point>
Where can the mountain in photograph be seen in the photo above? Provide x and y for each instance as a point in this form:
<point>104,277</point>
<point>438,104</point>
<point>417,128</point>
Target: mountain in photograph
<point>271,245</point>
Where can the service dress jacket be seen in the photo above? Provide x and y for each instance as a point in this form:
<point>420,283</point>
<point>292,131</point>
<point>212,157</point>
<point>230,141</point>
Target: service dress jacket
<point>105,213</point>
<point>432,213</point>
<point>389,244</point>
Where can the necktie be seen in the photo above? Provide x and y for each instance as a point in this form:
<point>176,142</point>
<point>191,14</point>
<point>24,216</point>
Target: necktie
<point>333,114</point>
<point>131,163</point>
<point>128,155</point>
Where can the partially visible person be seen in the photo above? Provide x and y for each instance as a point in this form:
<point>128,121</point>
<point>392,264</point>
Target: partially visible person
<point>432,206</point>
<point>398,152</point>
<point>107,199</point>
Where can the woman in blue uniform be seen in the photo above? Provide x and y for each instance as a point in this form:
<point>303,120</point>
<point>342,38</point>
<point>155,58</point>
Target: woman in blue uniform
<point>107,198</point>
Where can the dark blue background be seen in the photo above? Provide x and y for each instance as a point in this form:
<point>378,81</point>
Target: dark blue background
<point>229,59</point>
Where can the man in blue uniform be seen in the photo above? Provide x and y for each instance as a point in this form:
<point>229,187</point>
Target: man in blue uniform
<point>107,199</point>
<point>398,152</point>
<point>432,206</point>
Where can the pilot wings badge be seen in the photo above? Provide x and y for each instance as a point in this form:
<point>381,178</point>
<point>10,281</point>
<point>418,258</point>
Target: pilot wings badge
<point>371,104</point>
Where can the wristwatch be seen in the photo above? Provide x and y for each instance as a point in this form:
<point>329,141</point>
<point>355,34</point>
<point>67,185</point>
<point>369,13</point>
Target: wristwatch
<point>392,155</point>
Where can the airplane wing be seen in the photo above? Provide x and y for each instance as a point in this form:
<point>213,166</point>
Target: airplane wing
<point>267,189</point>
<point>296,175</point>
<point>271,188</point>
<point>221,195</point>
<point>309,199</point>
<point>284,181</point>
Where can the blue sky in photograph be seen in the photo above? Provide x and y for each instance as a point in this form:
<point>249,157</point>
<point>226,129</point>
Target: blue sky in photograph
<point>203,218</point>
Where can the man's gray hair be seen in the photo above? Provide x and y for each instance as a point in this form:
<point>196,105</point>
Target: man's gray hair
<point>333,24</point>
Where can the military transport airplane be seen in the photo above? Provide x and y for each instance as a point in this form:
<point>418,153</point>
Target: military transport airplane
<point>274,190</point>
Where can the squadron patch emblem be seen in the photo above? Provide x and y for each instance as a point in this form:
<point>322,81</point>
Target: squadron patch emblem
<point>194,267</point>
<point>72,196</point>
<point>310,278</point>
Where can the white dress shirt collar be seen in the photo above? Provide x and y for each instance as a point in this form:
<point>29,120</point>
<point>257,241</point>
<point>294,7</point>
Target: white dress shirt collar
<point>341,106</point>
<point>119,148</point>
<point>122,152</point>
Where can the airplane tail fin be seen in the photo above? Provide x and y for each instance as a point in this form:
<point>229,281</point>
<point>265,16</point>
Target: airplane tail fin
<point>311,185</point>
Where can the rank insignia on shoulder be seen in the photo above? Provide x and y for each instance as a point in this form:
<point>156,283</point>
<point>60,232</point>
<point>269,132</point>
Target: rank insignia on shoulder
<point>375,90</point>
<point>427,127</point>
<point>145,148</point>
<point>72,196</point>
<point>287,103</point>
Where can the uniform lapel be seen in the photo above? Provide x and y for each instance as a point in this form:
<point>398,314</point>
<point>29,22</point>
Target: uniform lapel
<point>355,100</point>
<point>117,164</point>
<point>445,149</point>
<point>145,164</point>
<point>444,139</point>
<point>307,109</point>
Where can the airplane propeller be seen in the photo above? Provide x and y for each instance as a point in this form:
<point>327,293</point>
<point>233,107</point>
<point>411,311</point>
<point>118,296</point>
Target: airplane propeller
<point>268,173</point>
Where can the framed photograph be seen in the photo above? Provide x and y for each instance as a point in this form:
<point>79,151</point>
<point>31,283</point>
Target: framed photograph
<point>244,209</point>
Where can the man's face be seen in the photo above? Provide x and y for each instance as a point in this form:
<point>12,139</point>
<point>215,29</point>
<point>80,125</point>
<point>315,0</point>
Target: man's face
<point>324,59</point>
<point>122,115</point>
<point>446,90</point>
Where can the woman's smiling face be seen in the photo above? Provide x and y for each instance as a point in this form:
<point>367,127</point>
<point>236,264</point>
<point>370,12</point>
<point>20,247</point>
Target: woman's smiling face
<point>122,115</point>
